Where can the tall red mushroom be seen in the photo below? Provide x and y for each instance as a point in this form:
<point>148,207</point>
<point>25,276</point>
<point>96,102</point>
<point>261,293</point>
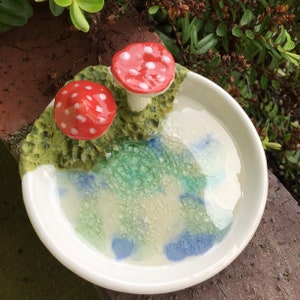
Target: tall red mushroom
<point>144,70</point>
<point>84,109</point>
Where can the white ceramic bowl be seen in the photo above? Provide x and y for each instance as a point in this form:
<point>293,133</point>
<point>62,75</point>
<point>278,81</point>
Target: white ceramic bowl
<point>59,236</point>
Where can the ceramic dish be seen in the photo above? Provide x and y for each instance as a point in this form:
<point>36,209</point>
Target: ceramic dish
<point>150,238</point>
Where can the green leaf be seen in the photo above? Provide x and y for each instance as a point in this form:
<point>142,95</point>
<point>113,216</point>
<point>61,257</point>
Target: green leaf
<point>15,13</point>
<point>265,141</point>
<point>274,146</point>
<point>197,23</point>
<point>63,3</point>
<point>295,124</point>
<point>189,27</point>
<point>247,17</point>
<point>91,6</point>
<point>207,43</point>
<point>170,45</point>
<point>194,39</point>
<point>289,45</point>
<point>160,16</point>
<point>281,37</point>
<point>275,84</point>
<point>237,31</point>
<point>78,19</point>
<point>11,19</point>
<point>293,157</point>
<point>233,13</point>
<point>221,4</point>
<point>221,29</point>
<point>264,81</point>
<point>252,76</point>
<point>289,57</point>
<point>268,35</point>
<point>261,28</point>
<point>185,36</point>
<point>215,62</point>
<point>25,7</point>
<point>249,33</point>
<point>294,55</point>
<point>274,111</point>
<point>261,56</point>
<point>270,145</point>
<point>153,9</point>
<point>225,43</point>
<point>55,9</point>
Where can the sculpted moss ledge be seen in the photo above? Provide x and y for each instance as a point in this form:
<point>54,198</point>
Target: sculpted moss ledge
<point>46,144</point>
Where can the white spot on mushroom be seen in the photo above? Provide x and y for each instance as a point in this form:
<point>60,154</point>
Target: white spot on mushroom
<point>76,85</point>
<point>99,108</point>
<point>125,55</point>
<point>67,112</point>
<point>74,95</point>
<point>150,65</point>
<point>133,72</point>
<point>166,59</point>
<point>102,120</point>
<point>81,118</point>
<point>63,125</point>
<point>102,97</point>
<point>144,86</point>
<point>58,104</point>
<point>64,92</point>
<point>74,131</point>
<point>92,130</point>
<point>148,49</point>
<point>76,105</point>
<point>163,70</point>
<point>89,98</point>
<point>161,78</point>
<point>88,87</point>
<point>149,77</point>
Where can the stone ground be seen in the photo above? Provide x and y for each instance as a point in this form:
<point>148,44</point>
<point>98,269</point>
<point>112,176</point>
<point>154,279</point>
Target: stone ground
<point>27,269</point>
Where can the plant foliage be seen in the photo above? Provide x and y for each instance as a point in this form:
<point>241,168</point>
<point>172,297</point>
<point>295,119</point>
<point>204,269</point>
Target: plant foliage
<point>78,10</point>
<point>17,12</point>
<point>14,13</point>
<point>250,48</point>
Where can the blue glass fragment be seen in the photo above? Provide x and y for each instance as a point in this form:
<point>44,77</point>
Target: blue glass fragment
<point>188,244</point>
<point>122,247</point>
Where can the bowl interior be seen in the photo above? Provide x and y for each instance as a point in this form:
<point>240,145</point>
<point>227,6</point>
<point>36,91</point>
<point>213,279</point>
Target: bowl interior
<point>59,236</point>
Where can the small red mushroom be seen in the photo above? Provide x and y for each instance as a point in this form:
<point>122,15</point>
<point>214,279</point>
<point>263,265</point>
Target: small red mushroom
<point>84,110</point>
<point>144,70</point>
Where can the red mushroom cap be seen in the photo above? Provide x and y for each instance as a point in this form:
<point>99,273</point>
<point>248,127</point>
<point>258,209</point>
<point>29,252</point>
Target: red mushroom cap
<point>144,68</point>
<point>84,109</point>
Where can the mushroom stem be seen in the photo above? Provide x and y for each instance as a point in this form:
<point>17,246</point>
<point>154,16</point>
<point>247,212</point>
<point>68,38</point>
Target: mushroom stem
<point>144,70</point>
<point>137,102</point>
